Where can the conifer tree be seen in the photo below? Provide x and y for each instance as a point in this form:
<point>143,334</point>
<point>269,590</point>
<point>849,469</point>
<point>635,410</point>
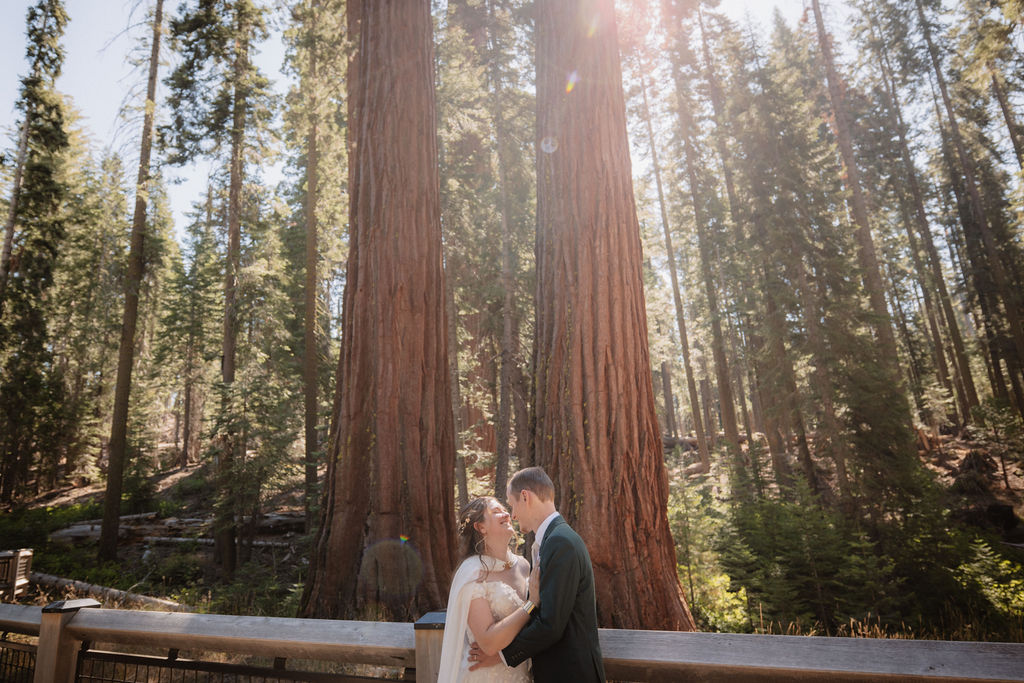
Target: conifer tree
<point>219,102</point>
<point>313,119</point>
<point>1008,295</point>
<point>30,392</point>
<point>119,424</point>
<point>87,291</point>
<point>881,22</point>
<point>704,458</point>
<point>704,223</point>
<point>191,313</point>
<point>866,253</point>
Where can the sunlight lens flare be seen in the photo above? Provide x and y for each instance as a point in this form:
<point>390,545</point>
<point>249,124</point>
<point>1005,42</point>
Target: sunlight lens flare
<point>548,144</point>
<point>592,27</point>
<point>574,78</point>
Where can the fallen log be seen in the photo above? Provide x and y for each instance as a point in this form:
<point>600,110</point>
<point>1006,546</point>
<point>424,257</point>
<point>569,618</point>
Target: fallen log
<point>82,532</point>
<point>105,593</point>
<point>687,443</point>
<point>123,518</point>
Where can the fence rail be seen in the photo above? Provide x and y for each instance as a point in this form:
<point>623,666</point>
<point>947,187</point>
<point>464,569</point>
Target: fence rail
<point>629,655</point>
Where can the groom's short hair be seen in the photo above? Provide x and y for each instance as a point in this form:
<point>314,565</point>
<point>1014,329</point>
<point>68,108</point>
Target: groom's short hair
<point>533,479</point>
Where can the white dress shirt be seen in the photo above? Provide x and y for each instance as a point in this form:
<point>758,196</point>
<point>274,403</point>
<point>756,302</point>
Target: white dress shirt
<point>539,536</point>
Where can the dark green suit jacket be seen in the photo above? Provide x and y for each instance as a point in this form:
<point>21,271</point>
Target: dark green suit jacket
<point>561,636</point>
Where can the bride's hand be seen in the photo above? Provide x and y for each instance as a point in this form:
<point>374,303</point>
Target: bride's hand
<point>535,585</point>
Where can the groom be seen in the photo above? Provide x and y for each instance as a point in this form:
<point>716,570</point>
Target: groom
<point>561,635</point>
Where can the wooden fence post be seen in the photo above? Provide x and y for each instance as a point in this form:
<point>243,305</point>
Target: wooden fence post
<point>57,651</point>
<point>429,635</point>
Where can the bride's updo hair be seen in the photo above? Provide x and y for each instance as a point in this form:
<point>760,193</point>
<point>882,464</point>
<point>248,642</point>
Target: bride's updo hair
<point>471,541</point>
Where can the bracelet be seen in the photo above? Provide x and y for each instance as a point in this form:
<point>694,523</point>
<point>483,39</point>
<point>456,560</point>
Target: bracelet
<point>528,607</point>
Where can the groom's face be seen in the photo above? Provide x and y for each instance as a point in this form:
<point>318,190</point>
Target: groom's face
<point>517,507</point>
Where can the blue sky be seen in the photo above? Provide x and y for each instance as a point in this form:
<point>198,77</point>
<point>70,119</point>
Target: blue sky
<point>97,76</point>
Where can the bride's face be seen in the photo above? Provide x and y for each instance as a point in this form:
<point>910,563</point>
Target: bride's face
<point>497,524</point>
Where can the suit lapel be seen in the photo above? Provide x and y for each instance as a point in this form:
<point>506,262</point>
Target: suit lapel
<point>555,523</point>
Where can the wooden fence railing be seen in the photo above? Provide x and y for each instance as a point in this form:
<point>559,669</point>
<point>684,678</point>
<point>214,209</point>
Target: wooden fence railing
<point>15,566</point>
<point>629,655</point>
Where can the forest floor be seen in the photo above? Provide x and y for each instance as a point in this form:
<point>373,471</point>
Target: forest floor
<point>271,569</point>
<point>984,480</point>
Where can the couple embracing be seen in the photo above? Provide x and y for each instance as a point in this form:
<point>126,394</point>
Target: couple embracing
<point>513,620</point>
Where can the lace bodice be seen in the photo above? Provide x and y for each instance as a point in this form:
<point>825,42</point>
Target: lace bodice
<point>503,598</point>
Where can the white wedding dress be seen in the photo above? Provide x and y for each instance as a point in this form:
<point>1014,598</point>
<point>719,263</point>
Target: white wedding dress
<point>503,600</point>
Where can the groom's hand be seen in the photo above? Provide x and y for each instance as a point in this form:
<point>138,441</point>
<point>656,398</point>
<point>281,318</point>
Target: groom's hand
<point>479,659</point>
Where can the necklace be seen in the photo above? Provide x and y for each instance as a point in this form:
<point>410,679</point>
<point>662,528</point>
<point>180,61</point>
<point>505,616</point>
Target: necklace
<point>493,563</point>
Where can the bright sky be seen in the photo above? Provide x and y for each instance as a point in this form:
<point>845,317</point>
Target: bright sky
<point>96,74</point>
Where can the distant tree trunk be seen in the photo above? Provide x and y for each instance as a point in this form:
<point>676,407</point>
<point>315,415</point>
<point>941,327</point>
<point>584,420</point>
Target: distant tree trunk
<point>707,400</point>
<point>961,364</point>
<point>225,534</point>
<point>459,423</point>
<point>596,428</point>
<point>737,371</point>
<point>126,351</point>
<point>974,266</point>
<point>866,256</point>
<point>770,413</point>
<point>186,438</point>
<point>387,542</point>
<point>1005,290</point>
<point>12,208</point>
<point>1012,129</point>
<point>508,351</point>
<point>522,390</point>
<point>727,407</point>
<point>507,355</point>
<point>789,395</point>
<point>666,390</point>
<point>310,365</point>
<point>920,277</point>
<point>830,438</point>
<point>703,452</point>
<point>735,210</point>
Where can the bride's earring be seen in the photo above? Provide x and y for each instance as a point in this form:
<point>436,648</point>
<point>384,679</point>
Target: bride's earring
<point>480,546</point>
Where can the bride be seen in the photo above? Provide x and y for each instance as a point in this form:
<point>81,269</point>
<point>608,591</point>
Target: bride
<point>487,602</point>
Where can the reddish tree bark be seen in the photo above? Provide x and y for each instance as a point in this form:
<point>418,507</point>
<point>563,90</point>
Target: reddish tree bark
<point>386,545</point>
<point>596,429</point>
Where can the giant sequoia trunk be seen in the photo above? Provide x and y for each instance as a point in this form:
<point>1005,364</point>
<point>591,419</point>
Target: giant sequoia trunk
<point>596,430</point>
<point>386,544</point>
<point>126,352</point>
